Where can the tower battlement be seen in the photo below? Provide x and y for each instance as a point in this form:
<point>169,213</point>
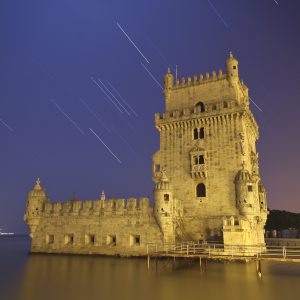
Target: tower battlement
<point>101,208</point>
<point>193,81</point>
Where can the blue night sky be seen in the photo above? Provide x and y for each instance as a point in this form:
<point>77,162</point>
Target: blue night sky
<point>50,50</point>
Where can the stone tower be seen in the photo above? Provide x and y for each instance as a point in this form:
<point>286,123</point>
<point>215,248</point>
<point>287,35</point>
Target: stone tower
<point>37,198</point>
<point>208,152</point>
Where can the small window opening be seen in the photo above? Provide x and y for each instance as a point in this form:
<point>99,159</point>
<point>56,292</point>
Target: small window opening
<point>201,159</point>
<point>200,107</point>
<point>157,168</point>
<point>225,104</point>
<point>90,239</point>
<point>166,197</point>
<point>250,188</point>
<point>214,107</point>
<point>49,239</point>
<point>196,160</point>
<point>201,190</point>
<point>69,239</point>
<point>135,240</point>
<point>111,240</point>
<point>196,134</point>
<point>234,67</point>
<point>201,133</point>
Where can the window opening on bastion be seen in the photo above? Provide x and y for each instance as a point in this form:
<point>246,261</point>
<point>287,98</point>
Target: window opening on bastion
<point>90,239</point>
<point>166,197</point>
<point>200,107</point>
<point>49,239</point>
<point>69,239</point>
<point>111,240</point>
<point>201,190</point>
<point>135,240</point>
<point>250,188</point>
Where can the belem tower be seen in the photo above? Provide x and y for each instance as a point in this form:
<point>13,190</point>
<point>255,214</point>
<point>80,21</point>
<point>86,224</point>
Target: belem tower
<point>206,175</point>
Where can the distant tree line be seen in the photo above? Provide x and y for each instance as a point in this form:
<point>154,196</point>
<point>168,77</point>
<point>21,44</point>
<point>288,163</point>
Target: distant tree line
<point>281,219</point>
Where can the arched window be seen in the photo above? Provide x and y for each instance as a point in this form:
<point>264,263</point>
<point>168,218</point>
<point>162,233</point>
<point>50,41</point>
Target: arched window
<point>201,190</point>
<point>201,135</point>
<point>196,134</point>
<point>196,160</point>
<point>201,159</point>
<point>200,107</point>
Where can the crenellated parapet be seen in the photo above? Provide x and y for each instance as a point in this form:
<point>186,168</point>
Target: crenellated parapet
<point>100,208</point>
<point>201,80</point>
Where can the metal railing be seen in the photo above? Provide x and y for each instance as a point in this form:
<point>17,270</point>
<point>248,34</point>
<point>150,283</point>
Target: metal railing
<point>190,249</point>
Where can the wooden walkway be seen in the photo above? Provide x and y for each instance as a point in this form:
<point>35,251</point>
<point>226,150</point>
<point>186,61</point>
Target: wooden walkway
<point>214,251</point>
<point>221,252</point>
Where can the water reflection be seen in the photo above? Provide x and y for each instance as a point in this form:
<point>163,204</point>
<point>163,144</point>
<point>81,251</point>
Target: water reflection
<point>93,277</point>
<point>83,277</point>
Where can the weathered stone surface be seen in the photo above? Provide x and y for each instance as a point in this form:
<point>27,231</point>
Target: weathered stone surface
<point>207,182</point>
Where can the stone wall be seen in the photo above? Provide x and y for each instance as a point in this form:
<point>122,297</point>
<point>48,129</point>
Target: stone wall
<point>115,227</point>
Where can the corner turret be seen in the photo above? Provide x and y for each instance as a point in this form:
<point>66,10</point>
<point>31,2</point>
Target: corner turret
<point>163,207</point>
<point>37,198</point>
<point>244,192</point>
<point>232,69</point>
<point>168,84</point>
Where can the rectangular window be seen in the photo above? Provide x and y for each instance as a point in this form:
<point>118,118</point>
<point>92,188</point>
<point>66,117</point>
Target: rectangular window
<point>49,239</point>
<point>69,239</point>
<point>135,240</point>
<point>201,159</point>
<point>157,168</point>
<point>90,239</point>
<point>201,133</point>
<point>111,240</point>
<point>250,189</point>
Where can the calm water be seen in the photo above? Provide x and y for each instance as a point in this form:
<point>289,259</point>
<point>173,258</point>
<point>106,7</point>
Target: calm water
<point>30,277</point>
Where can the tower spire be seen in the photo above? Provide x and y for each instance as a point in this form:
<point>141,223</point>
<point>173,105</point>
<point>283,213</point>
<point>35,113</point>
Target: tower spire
<point>38,184</point>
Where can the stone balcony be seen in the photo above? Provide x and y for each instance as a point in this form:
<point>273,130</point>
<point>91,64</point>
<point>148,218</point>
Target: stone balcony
<point>199,171</point>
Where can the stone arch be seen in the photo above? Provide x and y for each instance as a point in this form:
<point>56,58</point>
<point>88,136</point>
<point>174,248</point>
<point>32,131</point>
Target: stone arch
<point>200,106</point>
<point>201,190</point>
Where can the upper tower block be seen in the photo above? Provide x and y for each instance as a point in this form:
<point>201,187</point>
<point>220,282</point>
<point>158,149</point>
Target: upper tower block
<point>232,68</point>
<point>218,92</point>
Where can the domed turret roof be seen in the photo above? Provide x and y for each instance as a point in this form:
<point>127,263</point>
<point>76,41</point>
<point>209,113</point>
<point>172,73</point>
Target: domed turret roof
<point>163,183</point>
<point>231,59</point>
<point>243,175</point>
<point>38,191</point>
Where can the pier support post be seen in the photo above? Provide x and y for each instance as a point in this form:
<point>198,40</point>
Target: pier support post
<point>258,268</point>
<point>200,263</point>
<point>148,262</point>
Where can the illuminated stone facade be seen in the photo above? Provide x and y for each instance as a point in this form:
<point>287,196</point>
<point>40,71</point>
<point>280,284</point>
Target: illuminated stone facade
<point>207,182</point>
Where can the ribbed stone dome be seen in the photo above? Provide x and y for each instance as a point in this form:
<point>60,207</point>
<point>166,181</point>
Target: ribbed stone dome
<point>37,191</point>
<point>243,175</point>
<point>163,183</point>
